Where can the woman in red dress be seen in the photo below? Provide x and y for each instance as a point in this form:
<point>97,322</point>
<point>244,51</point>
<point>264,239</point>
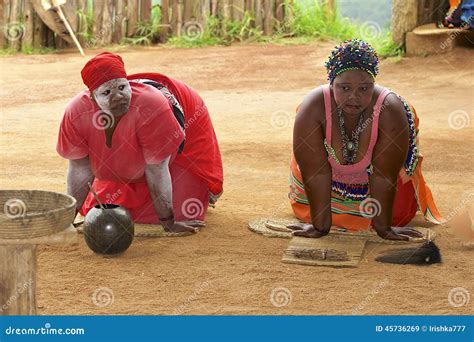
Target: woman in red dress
<point>146,142</point>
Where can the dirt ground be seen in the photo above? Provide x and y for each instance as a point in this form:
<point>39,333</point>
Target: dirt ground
<point>226,269</point>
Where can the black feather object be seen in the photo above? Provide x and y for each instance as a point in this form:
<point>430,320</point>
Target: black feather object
<point>426,254</point>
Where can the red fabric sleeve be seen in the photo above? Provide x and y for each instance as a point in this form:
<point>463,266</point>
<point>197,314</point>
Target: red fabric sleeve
<point>71,143</point>
<point>159,133</point>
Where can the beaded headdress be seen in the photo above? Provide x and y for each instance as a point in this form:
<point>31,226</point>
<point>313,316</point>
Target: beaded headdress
<point>353,54</point>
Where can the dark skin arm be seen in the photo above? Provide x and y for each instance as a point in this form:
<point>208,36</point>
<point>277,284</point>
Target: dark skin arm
<point>79,174</point>
<point>388,157</point>
<point>309,152</point>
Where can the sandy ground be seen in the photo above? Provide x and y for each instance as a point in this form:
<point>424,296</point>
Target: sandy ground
<point>226,269</point>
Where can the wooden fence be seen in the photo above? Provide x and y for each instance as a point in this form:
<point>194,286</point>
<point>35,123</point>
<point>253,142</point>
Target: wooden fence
<point>114,20</point>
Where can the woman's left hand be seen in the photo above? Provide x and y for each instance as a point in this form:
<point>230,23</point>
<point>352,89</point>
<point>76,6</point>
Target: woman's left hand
<point>398,233</point>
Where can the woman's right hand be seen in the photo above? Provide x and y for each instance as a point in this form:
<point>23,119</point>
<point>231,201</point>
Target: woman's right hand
<point>307,230</point>
<point>184,226</point>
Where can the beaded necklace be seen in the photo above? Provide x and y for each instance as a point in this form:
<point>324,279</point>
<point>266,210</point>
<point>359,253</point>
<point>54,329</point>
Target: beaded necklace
<point>350,146</point>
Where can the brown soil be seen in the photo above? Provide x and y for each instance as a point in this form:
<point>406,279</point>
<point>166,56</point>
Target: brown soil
<point>226,269</point>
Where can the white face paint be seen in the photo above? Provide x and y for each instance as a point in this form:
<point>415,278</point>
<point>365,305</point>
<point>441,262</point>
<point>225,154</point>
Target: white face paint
<point>113,97</point>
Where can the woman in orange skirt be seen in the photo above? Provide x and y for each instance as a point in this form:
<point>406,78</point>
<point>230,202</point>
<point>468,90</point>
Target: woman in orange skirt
<point>356,162</point>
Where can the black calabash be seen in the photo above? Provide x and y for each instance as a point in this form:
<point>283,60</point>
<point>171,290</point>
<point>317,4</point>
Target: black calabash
<point>109,230</point>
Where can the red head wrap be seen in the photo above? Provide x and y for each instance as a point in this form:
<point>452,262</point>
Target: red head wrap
<point>102,68</point>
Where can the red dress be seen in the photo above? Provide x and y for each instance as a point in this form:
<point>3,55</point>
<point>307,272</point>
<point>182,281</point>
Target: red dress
<point>146,134</point>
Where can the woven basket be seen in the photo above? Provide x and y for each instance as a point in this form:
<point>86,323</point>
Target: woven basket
<point>26,214</point>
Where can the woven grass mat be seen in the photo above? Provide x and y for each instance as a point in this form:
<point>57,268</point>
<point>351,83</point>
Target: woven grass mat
<point>147,231</point>
<point>276,227</point>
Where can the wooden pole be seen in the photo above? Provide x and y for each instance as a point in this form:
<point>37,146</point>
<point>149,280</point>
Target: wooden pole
<point>268,18</point>
<point>258,14</point>
<point>214,8</point>
<point>280,10</point>
<point>18,270</point>
<point>107,23</point>
<point>81,28</point>
<point>165,21</point>
<point>175,28</point>
<point>249,7</point>
<point>238,8</point>
<point>97,33</point>
<point>3,20</point>
<point>145,10</point>
<point>18,279</point>
<point>16,30</point>
<point>28,21</point>
<point>70,30</point>
<point>119,21</point>
<point>205,12</point>
<point>187,11</point>
<point>38,33</point>
<point>224,17</point>
<point>132,15</point>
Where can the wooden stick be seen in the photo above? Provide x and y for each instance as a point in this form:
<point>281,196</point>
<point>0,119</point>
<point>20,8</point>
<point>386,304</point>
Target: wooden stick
<point>268,19</point>
<point>165,21</point>
<point>71,32</point>
<point>95,196</point>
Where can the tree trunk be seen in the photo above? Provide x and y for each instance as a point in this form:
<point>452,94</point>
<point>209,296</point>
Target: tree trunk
<point>17,279</point>
<point>132,15</point>
<point>119,21</point>
<point>38,34</point>
<point>280,10</point>
<point>145,10</point>
<point>81,28</point>
<point>15,31</point>
<point>268,19</point>
<point>214,8</point>
<point>165,21</point>
<point>27,42</point>
<point>97,31</point>
<point>3,21</point>
<point>238,10</point>
<point>107,22</point>
<point>404,19</point>
<point>258,14</point>
<point>205,12</point>
<point>175,18</point>
<point>188,11</point>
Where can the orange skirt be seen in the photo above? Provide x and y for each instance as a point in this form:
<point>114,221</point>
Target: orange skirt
<point>412,194</point>
<point>349,214</point>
